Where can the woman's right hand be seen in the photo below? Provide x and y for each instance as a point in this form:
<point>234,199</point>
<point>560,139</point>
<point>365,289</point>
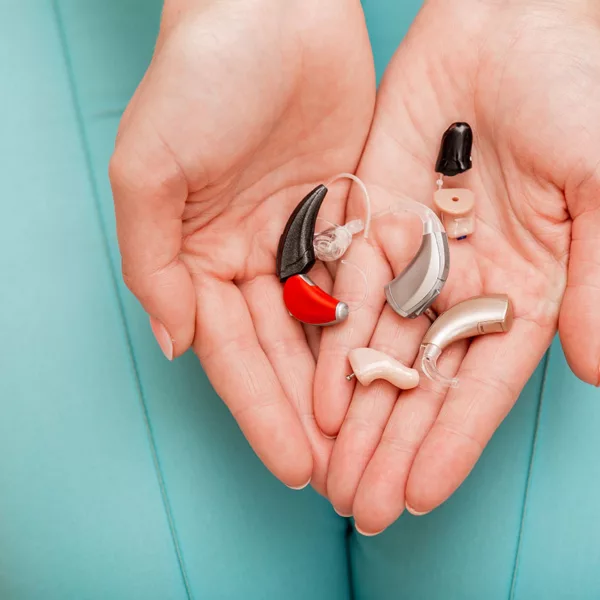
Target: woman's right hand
<point>244,106</point>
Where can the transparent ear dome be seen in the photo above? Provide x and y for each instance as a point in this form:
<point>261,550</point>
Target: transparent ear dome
<point>332,243</point>
<point>363,188</point>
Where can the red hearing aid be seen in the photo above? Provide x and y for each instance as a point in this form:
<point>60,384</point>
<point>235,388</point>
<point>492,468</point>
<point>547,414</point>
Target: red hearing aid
<point>304,300</point>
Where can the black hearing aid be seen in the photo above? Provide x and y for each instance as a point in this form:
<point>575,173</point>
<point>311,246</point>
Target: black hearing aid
<point>455,151</point>
<point>296,257</point>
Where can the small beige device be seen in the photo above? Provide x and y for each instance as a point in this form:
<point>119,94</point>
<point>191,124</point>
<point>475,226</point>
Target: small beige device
<point>369,365</point>
<point>470,318</point>
<point>457,210</point>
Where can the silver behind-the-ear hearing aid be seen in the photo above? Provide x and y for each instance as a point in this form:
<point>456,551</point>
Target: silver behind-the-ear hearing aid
<point>415,289</point>
<point>472,317</point>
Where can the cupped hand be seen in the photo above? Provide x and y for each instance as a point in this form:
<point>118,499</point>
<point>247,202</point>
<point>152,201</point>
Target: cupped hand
<point>526,76</point>
<point>244,107</point>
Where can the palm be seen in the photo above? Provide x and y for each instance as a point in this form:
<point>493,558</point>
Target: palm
<point>245,122</point>
<point>532,177</point>
<point>258,359</point>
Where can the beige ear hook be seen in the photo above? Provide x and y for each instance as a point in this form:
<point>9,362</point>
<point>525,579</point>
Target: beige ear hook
<point>470,318</point>
<point>369,365</point>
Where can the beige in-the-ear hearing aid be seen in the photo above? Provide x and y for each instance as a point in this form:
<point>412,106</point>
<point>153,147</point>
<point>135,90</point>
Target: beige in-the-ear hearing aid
<point>472,317</point>
<point>369,365</point>
<point>456,208</point>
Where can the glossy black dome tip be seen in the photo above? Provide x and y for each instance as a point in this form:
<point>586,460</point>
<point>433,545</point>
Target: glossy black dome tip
<point>455,151</point>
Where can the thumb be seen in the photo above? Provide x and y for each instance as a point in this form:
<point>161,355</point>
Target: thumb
<point>579,322</point>
<point>150,192</point>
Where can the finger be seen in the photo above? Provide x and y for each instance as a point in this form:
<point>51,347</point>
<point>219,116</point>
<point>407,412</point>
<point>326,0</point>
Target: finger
<point>332,391</point>
<point>284,343</point>
<point>370,407</point>
<point>492,376</point>
<point>394,240</point>
<point>370,410</point>
<point>379,499</point>
<point>150,192</point>
<point>579,323</point>
<point>227,345</point>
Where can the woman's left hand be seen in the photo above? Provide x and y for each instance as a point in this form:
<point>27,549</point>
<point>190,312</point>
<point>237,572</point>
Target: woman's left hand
<point>526,76</point>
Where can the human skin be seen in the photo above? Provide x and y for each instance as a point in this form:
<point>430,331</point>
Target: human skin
<point>526,75</point>
<point>244,108</point>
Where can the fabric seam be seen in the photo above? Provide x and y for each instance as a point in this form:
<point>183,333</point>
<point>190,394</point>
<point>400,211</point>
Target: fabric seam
<point>115,281</point>
<point>514,577</point>
<point>348,541</point>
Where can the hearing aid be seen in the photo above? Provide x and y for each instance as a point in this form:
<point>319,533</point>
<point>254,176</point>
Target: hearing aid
<point>368,365</point>
<point>296,257</point>
<point>454,156</point>
<point>473,317</point>
<point>299,249</point>
<point>456,205</point>
<point>413,291</point>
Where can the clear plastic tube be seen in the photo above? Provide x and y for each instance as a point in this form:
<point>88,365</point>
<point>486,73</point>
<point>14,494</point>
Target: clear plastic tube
<point>330,223</point>
<point>366,283</point>
<point>363,187</point>
<point>431,222</point>
<point>429,356</point>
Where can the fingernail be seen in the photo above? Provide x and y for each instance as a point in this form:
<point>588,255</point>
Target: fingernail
<point>162,337</point>
<point>300,487</point>
<point>341,514</point>
<point>365,533</point>
<point>416,513</point>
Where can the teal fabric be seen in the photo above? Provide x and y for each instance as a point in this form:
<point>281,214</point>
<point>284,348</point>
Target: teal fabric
<point>123,476</point>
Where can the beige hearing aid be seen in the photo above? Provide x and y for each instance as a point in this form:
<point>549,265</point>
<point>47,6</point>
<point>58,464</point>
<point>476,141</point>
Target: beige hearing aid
<point>470,318</point>
<point>456,208</point>
<point>369,365</point>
